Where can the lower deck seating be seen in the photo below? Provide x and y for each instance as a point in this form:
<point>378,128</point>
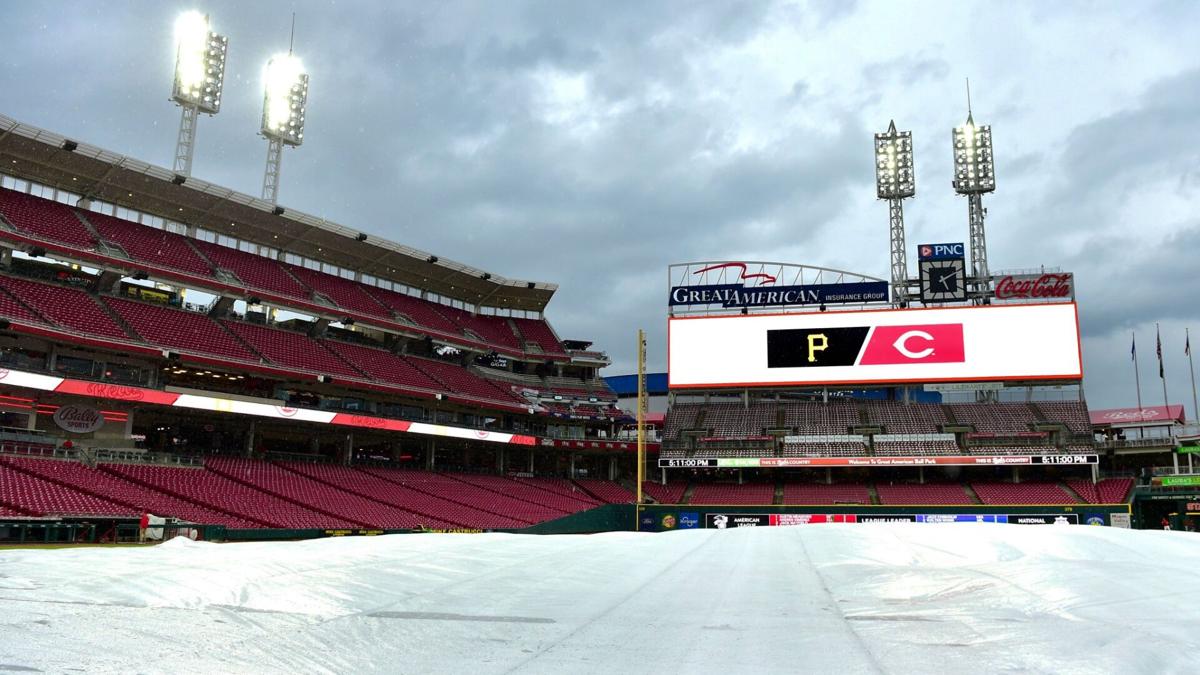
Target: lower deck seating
<point>318,496</point>
<point>38,496</point>
<point>606,491</point>
<point>671,493</point>
<point>1022,493</point>
<point>1107,491</point>
<point>731,493</point>
<point>450,488</point>
<point>821,494</point>
<point>929,493</point>
<point>137,497</point>
<point>215,491</point>
<point>432,509</point>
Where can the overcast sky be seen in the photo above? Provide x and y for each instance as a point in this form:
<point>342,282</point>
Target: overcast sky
<point>592,144</point>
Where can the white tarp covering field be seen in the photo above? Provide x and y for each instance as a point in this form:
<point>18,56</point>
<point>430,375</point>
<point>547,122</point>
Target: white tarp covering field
<point>819,598</point>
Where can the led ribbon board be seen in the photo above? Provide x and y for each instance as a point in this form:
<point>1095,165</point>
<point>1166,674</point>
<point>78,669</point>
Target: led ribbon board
<point>959,344</point>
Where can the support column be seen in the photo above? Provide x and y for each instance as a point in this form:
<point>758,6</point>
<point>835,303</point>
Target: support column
<point>899,253</point>
<point>612,468</point>
<point>429,452</point>
<point>349,456</point>
<point>1016,475</point>
<point>1175,461</point>
<point>531,460</point>
<point>500,460</point>
<point>828,476</point>
<point>979,263</point>
<point>572,456</point>
<point>921,475</point>
<point>250,439</point>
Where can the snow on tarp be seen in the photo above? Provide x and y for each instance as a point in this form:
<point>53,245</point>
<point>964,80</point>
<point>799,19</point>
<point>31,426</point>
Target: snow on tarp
<point>826,598</point>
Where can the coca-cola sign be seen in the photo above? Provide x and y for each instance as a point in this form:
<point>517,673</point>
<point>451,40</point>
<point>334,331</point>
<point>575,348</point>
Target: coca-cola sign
<point>1055,286</point>
<point>78,419</point>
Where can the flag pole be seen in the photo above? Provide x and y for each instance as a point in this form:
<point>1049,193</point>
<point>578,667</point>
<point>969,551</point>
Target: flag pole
<point>1137,379</point>
<point>1191,367</point>
<point>1162,375</point>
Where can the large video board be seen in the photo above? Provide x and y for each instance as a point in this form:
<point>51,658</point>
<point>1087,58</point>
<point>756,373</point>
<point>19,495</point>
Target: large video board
<point>950,344</point>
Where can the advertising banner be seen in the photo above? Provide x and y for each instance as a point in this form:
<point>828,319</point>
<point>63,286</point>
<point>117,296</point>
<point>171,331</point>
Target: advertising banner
<point>717,286</point>
<point>941,251</point>
<point>737,295</point>
<point>724,521</point>
<point>923,460</point>
<point>886,346</point>
<point>1054,287</point>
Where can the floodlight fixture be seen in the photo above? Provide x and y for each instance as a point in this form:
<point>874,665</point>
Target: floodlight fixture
<point>895,181</point>
<point>894,176</point>
<point>285,99</point>
<point>974,169</point>
<point>974,176</point>
<point>199,77</point>
<point>199,63</point>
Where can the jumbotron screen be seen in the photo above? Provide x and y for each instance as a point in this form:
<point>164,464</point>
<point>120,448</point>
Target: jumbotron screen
<point>944,344</point>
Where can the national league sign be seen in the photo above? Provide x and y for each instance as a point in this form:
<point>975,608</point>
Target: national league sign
<point>952,344</point>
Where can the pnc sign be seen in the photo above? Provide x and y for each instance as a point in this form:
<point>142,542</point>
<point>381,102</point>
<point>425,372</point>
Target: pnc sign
<point>941,251</point>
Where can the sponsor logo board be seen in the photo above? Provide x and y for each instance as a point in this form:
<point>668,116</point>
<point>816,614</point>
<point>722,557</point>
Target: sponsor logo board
<point>941,251</point>
<point>77,418</point>
<point>960,344</point>
<point>1057,286</point>
<point>945,460</point>
<point>741,287</point>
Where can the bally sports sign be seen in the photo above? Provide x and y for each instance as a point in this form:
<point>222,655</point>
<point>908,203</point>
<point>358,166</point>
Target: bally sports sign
<point>77,418</point>
<point>953,344</point>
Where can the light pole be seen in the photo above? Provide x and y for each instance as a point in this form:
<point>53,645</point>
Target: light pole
<point>199,77</point>
<point>285,99</point>
<point>895,181</point>
<point>974,175</point>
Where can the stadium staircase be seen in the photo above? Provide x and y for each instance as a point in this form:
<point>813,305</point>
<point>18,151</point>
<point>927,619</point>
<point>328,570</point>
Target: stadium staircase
<point>688,493</point>
<point>1066,487</point>
<point>949,413</point>
<point>971,493</point>
<point>874,492</point>
<point>87,224</point>
<point>117,318</point>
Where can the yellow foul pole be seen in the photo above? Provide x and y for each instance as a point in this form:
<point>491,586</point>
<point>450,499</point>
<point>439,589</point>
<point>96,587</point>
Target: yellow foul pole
<point>641,413</point>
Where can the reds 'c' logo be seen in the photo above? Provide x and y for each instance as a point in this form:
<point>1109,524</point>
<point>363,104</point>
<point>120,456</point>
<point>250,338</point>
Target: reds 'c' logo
<point>933,343</point>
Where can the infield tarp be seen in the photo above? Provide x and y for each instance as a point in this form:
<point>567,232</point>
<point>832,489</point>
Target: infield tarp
<point>825,598</point>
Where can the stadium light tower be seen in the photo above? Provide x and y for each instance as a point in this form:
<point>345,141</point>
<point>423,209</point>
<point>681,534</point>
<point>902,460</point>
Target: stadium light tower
<point>974,175</point>
<point>199,77</point>
<point>895,181</point>
<point>284,103</point>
